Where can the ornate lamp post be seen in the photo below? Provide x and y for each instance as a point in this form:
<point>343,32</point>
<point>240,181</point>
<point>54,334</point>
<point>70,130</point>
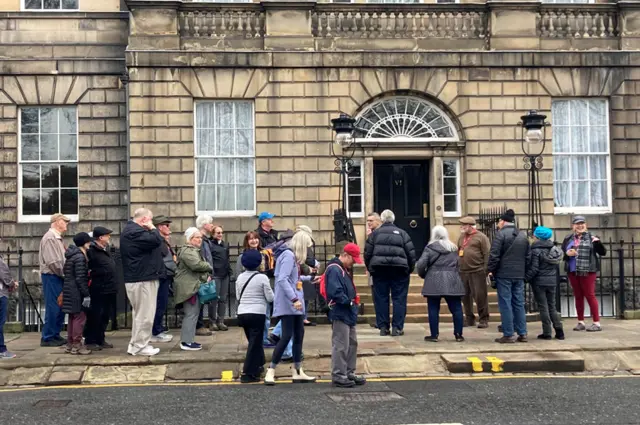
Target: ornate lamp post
<point>344,127</point>
<point>533,143</point>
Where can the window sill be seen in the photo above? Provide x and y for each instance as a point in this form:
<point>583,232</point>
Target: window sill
<point>582,211</point>
<point>75,218</point>
<point>452,215</point>
<point>228,214</point>
<point>355,215</point>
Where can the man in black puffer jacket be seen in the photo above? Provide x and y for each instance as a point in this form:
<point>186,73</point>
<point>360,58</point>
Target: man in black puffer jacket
<point>390,258</point>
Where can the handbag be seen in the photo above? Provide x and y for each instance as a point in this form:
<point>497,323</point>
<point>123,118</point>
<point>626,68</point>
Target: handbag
<point>207,292</point>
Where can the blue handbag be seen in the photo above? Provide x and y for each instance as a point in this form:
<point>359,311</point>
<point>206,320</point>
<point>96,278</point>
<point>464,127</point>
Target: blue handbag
<point>207,292</point>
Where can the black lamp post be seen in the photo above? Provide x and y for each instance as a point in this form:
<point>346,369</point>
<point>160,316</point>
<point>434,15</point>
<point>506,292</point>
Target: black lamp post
<point>344,127</point>
<point>533,144</point>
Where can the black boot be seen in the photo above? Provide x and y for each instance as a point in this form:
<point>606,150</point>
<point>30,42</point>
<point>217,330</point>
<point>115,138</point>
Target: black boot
<point>560,334</point>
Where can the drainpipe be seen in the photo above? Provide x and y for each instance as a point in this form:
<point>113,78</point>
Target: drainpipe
<point>124,79</point>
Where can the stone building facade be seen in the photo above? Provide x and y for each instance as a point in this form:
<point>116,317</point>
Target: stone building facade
<point>229,106</point>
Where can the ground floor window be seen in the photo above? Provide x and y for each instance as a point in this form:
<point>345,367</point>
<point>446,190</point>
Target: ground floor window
<point>355,190</point>
<point>451,187</point>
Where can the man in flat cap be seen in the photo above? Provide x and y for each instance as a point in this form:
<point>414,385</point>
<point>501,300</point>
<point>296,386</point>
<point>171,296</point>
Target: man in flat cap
<point>103,289</point>
<point>473,252</point>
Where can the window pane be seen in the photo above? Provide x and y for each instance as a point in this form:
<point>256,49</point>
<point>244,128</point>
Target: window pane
<point>579,168</point>
<point>560,112</point>
<point>579,139</point>
<point>52,4</point>
<point>68,148</point>
<point>224,171</point>
<point>449,168</point>
<point>561,139</point>
<point>599,195</point>
<point>31,176</point>
<point>29,120</point>
<point>206,171</point>
<point>224,115</point>
<point>69,175</point>
<point>204,116</point>
<point>561,168</point>
<point>244,171</point>
<point>355,204</point>
<point>225,143</point>
<point>244,115</point>
<point>33,4</point>
<point>206,198</point>
<point>598,167</point>
<point>579,112</point>
<point>597,112</point>
<point>245,197</point>
<point>69,201</point>
<point>68,121</point>
<point>598,139</point>
<point>31,201</point>
<point>580,194</point>
<point>244,140</point>
<point>69,4</point>
<point>204,139</point>
<point>226,197</point>
<point>50,176</point>
<point>450,203</point>
<point>450,186</point>
<point>49,147</point>
<point>48,120</point>
<point>50,201</point>
<point>562,194</point>
<point>29,147</point>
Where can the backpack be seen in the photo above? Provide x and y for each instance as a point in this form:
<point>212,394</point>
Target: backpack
<point>323,281</point>
<point>268,264</point>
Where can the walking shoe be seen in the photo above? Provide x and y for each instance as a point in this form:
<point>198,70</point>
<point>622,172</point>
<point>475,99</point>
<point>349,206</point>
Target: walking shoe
<point>52,343</point>
<point>459,338</point>
<point>384,332</point>
<point>163,337</point>
<point>213,327</point>
<point>60,339</point>
<point>580,327</point>
<point>373,325</point>
<point>146,351</point>
<point>545,337</point>
<point>358,380</point>
<point>470,321</point>
<point>203,332</point>
<point>594,328</point>
<point>67,349</point>
<point>249,379</point>
<point>268,344</point>
<point>308,323</point>
<point>270,377</point>
<point>94,347</point>
<point>397,332</point>
<point>506,340</point>
<point>343,383</point>
<point>560,334</point>
<point>106,345</point>
<point>483,325</point>
<point>7,355</point>
<point>500,328</point>
<point>80,351</point>
<point>299,377</point>
<point>431,338</point>
<point>194,346</point>
<point>522,338</point>
<point>222,326</point>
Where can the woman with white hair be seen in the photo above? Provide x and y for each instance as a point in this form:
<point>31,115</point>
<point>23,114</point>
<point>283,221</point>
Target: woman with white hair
<point>192,271</point>
<point>439,267</point>
<point>288,304</point>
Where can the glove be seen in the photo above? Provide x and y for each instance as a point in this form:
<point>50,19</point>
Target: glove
<point>86,302</point>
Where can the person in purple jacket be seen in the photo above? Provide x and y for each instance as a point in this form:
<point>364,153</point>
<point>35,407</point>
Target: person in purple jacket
<point>288,304</point>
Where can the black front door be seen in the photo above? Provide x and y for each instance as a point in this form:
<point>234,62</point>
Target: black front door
<point>403,187</point>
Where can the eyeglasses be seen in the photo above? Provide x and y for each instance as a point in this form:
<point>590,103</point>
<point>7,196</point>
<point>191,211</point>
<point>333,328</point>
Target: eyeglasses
<point>197,237</point>
<point>218,233</point>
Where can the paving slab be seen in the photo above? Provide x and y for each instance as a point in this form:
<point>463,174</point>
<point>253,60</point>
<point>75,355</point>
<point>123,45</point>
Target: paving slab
<point>30,376</point>
<point>629,359</point>
<point>201,371</point>
<point>559,361</point>
<point>323,366</point>
<point>404,364</point>
<point>101,360</point>
<point>602,361</point>
<point>124,374</point>
<point>66,375</point>
<point>4,376</point>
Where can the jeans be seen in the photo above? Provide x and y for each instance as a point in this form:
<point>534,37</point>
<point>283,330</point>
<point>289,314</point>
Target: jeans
<point>53,317</point>
<point>267,325</point>
<point>189,320</point>
<point>98,317</point>
<point>252,325</point>
<point>546,300</point>
<point>218,308</point>
<point>455,306</point>
<point>585,287</point>
<point>399,288</point>
<point>288,352</point>
<point>292,327</point>
<point>4,307</point>
<point>161,305</point>
<point>511,304</point>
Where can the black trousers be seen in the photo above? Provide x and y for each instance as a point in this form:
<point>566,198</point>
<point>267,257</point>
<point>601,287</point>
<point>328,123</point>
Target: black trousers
<point>253,325</point>
<point>292,327</point>
<point>100,311</point>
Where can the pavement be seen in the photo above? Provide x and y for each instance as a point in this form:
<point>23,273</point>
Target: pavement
<point>461,401</point>
<point>614,351</point>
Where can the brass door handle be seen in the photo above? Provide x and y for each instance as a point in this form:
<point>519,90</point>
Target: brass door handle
<point>425,210</point>
<point>413,224</point>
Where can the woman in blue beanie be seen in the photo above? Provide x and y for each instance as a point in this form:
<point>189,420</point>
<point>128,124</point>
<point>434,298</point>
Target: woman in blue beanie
<point>543,277</point>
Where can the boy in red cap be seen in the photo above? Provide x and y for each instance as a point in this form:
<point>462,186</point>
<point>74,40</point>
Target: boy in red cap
<point>343,301</point>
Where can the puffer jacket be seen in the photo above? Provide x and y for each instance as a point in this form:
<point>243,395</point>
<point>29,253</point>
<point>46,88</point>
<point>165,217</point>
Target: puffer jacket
<point>545,257</point>
<point>103,270</point>
<point>510,254</point>
<point>191,272</point>
<point>441,272</point>
<point>389,250</point>
<point>76,280</point>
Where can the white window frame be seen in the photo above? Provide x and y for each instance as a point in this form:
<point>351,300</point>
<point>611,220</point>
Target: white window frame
<point>458,211</point>
<point>357,163</point>
<point>587,210</point>
<point>565,2</point>
<point>45,218</point>
<point>23,7</point>
<point>220,213</point>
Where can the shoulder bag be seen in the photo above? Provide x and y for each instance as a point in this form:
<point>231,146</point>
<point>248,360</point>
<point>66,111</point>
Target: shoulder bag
<point>245,286</point>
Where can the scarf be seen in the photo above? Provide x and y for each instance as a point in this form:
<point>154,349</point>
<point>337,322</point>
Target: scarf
<point>583,259</point>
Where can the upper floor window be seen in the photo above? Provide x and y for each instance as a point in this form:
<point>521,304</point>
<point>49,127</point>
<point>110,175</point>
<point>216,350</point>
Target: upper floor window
<point>355,190</point>
<point>451,187</point>
<point>581,156</point>
<point>50,4</point>
<point>48,163</point>
<point>225,158</point>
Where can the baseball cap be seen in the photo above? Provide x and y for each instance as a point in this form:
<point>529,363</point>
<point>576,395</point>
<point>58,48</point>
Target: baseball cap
<point>265,216</point>
<point>59,216</point>
<point>354,251</point>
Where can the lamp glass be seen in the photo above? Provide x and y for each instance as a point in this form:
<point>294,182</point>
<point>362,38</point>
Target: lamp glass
<point>533,136</point>
<point>344,139</point>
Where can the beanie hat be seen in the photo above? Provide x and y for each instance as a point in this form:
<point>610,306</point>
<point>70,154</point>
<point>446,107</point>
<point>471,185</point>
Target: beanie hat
<point>508,216</point>
<point>188,234</point>
<point>543,233</point>
<point>81,238</point>
<point>251,259</point>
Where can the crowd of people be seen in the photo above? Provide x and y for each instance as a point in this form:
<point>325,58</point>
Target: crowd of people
<point>270,275</point>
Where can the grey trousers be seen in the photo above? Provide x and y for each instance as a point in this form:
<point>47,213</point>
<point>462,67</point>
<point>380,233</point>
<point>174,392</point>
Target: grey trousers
<point>546,300</point>
<point>344,350</point>
<point>218,308</point>
<point>191,312</point>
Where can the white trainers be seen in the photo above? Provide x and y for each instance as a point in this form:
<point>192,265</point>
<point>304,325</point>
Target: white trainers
<point>270,377</point>
<point>299,377</point>
<point>146,351</point>
<point>162,337</point>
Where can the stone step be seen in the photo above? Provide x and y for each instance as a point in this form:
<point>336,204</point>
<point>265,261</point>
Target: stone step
<point>549,361</point>
<point>418,318</point>
<point>421,307</point>
<point>414,297</point>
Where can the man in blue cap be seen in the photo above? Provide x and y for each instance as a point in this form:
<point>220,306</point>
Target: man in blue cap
<point>268,235</point>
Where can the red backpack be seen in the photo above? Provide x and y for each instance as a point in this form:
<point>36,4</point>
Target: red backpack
<point>323,284</point>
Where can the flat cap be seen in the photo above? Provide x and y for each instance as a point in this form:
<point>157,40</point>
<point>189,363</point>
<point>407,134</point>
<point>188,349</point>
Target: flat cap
<point>160,219</point>
<point>468,220</point>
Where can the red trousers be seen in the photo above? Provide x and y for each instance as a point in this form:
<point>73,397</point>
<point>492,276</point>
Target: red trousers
<point>74,329</point>
<point>585,287</point>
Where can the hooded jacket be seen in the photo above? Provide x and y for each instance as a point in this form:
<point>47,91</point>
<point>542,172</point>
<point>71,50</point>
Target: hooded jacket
<point>76,280</point>
<point>441,272</point>
<point>341,293</point>
<point>390,250</point>
<point>287,276</point>
<point>545,258</point>
<point>103,270</point>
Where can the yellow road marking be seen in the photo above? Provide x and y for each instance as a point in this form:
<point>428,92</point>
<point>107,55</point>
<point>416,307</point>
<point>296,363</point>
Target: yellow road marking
<point>227,375</point>
<point>476,363</point>
<point>321,381</point>
<point>496,364</point>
